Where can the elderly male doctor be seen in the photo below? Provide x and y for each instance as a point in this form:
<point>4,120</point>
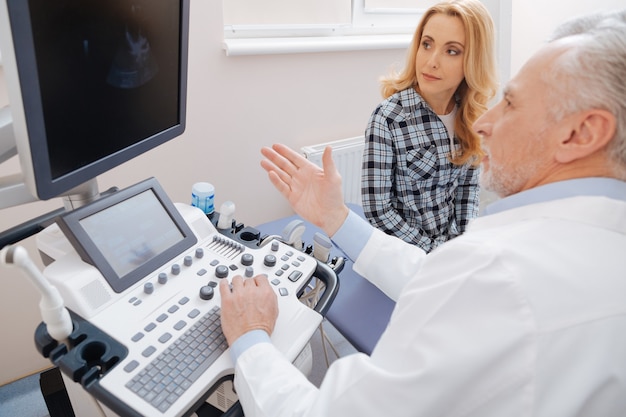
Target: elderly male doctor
<point>525,313</point>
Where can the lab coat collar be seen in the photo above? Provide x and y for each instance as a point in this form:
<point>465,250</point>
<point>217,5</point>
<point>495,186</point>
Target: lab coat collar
<point>608,187</point>
<point>597,211</point>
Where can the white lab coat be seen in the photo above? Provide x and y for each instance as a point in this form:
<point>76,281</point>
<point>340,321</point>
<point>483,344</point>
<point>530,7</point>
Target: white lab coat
<point>523,315</point>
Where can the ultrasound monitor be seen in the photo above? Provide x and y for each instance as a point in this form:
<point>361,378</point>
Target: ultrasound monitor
<point>92,84</point>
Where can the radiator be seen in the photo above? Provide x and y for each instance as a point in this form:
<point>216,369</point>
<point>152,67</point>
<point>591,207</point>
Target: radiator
<point>348,156</point>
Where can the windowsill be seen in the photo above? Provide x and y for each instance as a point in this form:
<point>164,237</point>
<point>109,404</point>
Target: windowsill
<point>267,46</point>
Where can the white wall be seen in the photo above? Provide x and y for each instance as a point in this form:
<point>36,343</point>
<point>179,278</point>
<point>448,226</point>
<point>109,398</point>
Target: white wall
<point>534,20</point>
<point>235,106</point>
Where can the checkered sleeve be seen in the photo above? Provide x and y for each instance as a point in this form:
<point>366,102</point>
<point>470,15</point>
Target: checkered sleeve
<point>467,198</point>
<point>378,186</point>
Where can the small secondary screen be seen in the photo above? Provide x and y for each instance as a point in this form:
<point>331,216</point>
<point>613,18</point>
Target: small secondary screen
<point>133,232</point>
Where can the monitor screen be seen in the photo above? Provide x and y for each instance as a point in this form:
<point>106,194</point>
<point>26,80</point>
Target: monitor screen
<point>127,234</point>
<point>132,232</point>
<point>100,82</point>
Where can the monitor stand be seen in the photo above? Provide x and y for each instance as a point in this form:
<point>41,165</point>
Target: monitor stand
<point>79,196</point>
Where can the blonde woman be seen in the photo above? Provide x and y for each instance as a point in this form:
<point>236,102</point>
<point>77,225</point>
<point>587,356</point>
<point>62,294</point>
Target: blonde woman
<point>421,158</point>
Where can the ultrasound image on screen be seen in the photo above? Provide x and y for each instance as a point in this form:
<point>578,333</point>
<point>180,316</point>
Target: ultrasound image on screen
<point>109,75</point>
<point>132,232</point>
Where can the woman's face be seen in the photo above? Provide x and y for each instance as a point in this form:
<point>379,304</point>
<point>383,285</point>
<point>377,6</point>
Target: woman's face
<point>439,59</point>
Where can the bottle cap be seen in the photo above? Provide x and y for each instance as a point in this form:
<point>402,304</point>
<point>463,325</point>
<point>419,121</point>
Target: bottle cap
<point>203,196</point>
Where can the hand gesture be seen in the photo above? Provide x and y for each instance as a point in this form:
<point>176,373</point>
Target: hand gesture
<point>314,193</point>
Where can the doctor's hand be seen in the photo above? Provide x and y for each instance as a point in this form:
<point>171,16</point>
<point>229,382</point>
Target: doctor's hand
<point>314,193</point>
<point>251,304</point>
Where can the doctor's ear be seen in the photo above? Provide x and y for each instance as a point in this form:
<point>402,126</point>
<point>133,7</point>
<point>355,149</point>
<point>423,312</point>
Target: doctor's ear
<point>592,131</point>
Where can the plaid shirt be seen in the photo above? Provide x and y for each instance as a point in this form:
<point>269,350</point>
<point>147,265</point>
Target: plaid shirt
<point>409,186</point>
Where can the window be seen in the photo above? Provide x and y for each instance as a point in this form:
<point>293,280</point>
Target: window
<point>259,13</point>
<point>254,26</point>
<point>297,26</point>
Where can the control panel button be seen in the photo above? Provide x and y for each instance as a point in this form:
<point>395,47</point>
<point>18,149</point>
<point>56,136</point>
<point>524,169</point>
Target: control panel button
<point>221,271</point>
<point>269,260</point>
<point>206,292</point>
<point>247,259</point>
<point>148,288</point>
<point>130,366</point>
<point>148,351</point>
<point>294,276</point>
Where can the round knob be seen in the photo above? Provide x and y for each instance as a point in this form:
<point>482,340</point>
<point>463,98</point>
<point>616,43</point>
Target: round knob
<point>274,246</point>
<point>199,253</point>
<point>247,259</point>
<point>148,288</point>
<point>206,292</point>
<point>175,269</point>
<point>187,260</point>
<point>221,271</point>
<point>162,278</point>
<point>269,260</point>
<point>249,272</point>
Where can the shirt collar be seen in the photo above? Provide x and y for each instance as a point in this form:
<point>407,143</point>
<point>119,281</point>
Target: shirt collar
<point>413,100</point>
<point>607,187</point>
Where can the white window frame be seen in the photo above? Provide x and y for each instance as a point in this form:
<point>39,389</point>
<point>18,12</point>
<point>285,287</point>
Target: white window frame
<point>389,20</point>
<point>370,29</point>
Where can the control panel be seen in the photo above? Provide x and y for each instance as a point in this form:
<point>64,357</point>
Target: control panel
<point>151,343</point>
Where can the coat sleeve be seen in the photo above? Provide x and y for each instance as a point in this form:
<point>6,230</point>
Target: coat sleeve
<point>388,262</point>
<point>457,345</point>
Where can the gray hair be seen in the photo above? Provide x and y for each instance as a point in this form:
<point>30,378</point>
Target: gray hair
<point>593,74</point>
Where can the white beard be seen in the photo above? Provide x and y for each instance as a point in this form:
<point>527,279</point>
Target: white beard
<point>505,180</point>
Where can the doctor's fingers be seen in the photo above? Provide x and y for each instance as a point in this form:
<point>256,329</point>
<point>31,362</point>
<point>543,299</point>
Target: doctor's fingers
<point>241,285</point>
<point>225,290</point>
<point>273,170</point>
<point>276,162</point>
<point>295,158</point>
<point>285,158</point>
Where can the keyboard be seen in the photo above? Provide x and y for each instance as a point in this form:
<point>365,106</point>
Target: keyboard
<point>170,374</point>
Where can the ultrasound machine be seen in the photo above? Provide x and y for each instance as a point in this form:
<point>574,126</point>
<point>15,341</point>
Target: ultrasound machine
<point>130,304</point>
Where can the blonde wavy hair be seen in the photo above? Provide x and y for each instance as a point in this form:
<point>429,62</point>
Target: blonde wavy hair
<point>479,66</point>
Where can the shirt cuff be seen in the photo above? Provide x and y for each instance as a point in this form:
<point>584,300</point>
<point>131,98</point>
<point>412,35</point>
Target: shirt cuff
<point>353,235</point>
<point>247,340</point>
